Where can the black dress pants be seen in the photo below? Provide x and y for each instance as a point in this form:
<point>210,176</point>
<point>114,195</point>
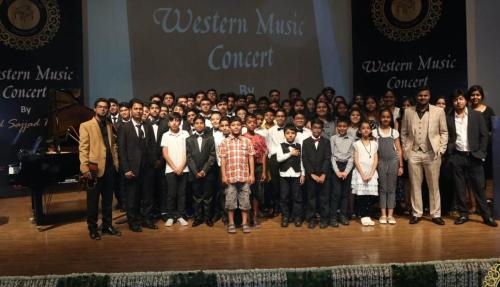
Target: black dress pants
<point>203,193</point>
<point>341,189</point>
<point>291,191</point>
<point>139,196</point>
<point>176,194</point>
<point>317,193</point>
<point>468,169</point>
<point>103,189</point>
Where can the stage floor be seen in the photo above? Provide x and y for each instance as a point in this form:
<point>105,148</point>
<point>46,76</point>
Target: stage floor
<point>66,248</point>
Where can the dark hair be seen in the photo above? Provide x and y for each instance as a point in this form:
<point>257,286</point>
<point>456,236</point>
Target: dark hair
<point>290,127</point>
<point>222,100</point>
<point>205,99</point>
<point>169,93</point>
<point>339,97</point>
<point>269,111</point>
<point>476,88</point>
<point>294,90</point>
<point>299,113</point>
<point>345,120</point>
<point>328,111</point>
<point>250,116</point>
<point>224,119</point>
<point>191,110</point>
<point>211,90</point>
<point>235,119</point>
<point>263,99</point>
<point>199,117</point>
<point>154,96</point>
<point>101,100</point>
<point>174,116</point>
<point>281,110</point>
<point>124,104</point>
<point>274,91</point>
<point>215,113</point>
<point>326,89</point>
<point>177,106</point>
<point>358,133</point>
<point>259,113</point>
<point>286,101</point>
<point>251,102</point>
<point>200,92</point>
<point>135,101</point>
<point>317,122</point>
<point>241,97</point>
<point>421,89</point>
<point>112,100</point>
<point>391,124</point>
<point>239,109</point>
<point>457,93</point>
<point>230,95</point>
<point>155,103</point>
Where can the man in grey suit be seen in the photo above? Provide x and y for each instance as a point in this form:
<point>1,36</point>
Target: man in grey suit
<point>424,135</point>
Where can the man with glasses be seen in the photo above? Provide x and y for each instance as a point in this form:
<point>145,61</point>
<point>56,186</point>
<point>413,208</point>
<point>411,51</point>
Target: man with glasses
<point>98,147</point>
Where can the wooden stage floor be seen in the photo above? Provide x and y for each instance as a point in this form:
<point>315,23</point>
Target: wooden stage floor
<point>66,248</point>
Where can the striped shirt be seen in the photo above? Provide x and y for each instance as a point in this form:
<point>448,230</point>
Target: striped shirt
<point>236,150</point>
<point>342,151</point>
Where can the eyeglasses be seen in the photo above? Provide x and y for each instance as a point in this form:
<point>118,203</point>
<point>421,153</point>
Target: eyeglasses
<point>101,107</point>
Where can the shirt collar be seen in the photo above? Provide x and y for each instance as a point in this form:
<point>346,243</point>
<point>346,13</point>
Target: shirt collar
<point>136,123</point>
<point>466,113</point>
<point>170,132</point>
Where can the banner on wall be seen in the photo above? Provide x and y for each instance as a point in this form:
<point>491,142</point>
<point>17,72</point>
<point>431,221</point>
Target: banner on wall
<point>406,44</point>
<point>239,46</point>
<point>40,50</point>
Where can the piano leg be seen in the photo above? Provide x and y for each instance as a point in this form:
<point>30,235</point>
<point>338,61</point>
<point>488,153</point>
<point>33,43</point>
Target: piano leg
<point>37,202</point>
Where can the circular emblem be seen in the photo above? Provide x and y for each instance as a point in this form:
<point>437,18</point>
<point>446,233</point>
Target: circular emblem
<point>28,24</point>
<point>405,20</point>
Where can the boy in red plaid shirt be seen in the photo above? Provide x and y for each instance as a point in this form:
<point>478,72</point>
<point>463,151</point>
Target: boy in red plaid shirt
<point>260,158</point>
<point>237,171</point>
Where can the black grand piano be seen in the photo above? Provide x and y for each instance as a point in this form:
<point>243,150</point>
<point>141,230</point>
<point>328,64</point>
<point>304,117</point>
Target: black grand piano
<point>54,158</point>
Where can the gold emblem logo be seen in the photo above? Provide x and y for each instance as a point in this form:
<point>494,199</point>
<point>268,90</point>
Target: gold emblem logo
<point>493,277</point>
<point>28,24</point>
<point>405,20</point>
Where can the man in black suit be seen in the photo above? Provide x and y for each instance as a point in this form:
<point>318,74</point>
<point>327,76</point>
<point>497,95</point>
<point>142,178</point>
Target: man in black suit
<point>201,158</point>
<point>467,146</point>
<point>158,184</point>
<point>138,153</point>
<point>316,156</point>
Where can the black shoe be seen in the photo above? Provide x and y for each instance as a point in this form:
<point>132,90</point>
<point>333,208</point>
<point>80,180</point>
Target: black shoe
<point>164,217</point>
<point>216,218</point>
<point>461,220</point>
<point>323,224</point>
<point>110,230</point>
<point>490,222</point>
<point>197,222</point>
<point>415,220</point>
<point>284,222</point>
<point>209,223</point>
<point>438,221</point>
<point>298,222</point>
<point>94,234</point>
<point>148,224</point>
<point>334,222</point>
<point>344,220</point>
<point>135,228</point>
<point>312,224</point>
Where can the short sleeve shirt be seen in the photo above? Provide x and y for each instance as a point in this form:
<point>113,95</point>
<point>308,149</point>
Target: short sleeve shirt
<point>259,146</point>
<point>176,145</point>
<point>236,150</point>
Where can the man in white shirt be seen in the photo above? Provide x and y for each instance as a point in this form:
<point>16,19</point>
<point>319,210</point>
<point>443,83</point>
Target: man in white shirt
<point>467,147</point>
<point>276,136</point>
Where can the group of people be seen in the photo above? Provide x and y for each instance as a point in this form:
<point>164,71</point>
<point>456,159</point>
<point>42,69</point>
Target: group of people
<point>238,158</point>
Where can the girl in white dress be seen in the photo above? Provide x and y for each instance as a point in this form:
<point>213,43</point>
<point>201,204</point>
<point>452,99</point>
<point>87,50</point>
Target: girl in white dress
<point>364,176</point>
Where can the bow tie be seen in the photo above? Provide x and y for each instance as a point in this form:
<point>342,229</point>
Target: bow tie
<point>300,130</point>
<point>199,135</point>
<point>316,140</point>
<point>155,122</point>
<point>280,129</point>
<point>290,145</point>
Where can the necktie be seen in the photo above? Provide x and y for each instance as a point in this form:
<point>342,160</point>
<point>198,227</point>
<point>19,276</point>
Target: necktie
<point>141,133</point>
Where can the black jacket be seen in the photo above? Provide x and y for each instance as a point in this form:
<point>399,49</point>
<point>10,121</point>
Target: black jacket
<point>477,134</point>
<point>316,161</point>
<point>204,160</point>
<point>132,154</point>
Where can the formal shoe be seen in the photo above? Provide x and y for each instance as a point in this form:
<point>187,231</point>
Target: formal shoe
<point>461,220</point>
<point>135,228</point>
<point>164,217</point>
<point>284,222</point>
<point>182,221</point>
<point>438,221</point>
<point>197,222</point>
<point>149,225</point>
<point>323,224</point>
<point>415,220</point>
<point>334,222</point>
<point>110,230</point>
<point>122,220</point>
<point>169,222</point>
<point>216,218</point>
<point>209,223</point>
<point>94,234</point>
<point>312,224</point>
<point>344,220</point>
<point>490,222</point>
<point>298,222</point>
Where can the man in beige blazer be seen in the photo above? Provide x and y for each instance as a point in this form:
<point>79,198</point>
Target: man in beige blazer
<point>424,135</point>
<point>98,146</point>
